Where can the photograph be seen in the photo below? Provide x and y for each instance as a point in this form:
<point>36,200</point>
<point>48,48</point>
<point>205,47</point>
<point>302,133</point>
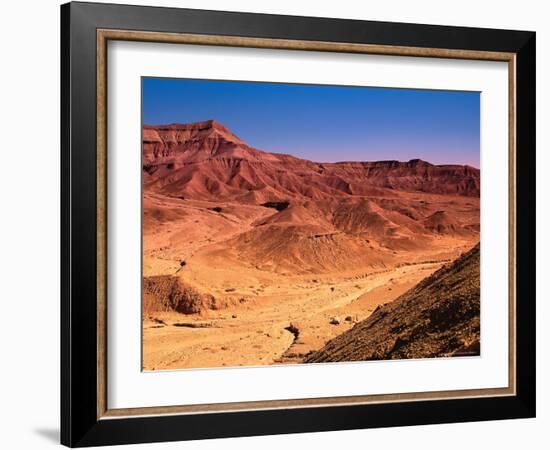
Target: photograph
<point>280,222</point>
<point>297,223</point>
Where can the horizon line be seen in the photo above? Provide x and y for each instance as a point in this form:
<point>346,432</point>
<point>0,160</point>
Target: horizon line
<point>304,159</point>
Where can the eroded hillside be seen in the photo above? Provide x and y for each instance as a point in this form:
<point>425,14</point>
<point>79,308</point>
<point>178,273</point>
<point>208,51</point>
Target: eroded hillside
<point>438,317</point>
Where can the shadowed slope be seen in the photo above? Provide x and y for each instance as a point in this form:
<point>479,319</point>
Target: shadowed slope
<point>438,317</point>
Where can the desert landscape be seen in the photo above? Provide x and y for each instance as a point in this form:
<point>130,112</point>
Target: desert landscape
<point>255,258</point>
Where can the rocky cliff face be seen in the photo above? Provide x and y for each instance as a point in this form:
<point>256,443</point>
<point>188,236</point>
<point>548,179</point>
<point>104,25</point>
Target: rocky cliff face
<point>187,142</point>
<point>167,293</point>
<point>205,160</point>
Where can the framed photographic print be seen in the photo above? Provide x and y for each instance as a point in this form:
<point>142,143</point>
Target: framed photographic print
<point>276,224</point>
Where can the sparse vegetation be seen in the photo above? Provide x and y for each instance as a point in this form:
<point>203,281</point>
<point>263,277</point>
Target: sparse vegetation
<point>438,317</point>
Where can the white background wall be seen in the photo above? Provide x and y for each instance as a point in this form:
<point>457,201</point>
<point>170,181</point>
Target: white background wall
<point>29,223</point>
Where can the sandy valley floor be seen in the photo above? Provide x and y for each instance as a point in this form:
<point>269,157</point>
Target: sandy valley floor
<point>274,316</point>
<point>255,258</point>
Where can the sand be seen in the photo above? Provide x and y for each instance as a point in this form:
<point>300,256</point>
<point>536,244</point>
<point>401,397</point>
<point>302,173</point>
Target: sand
<point>275,315</point>
<point>257,258</point>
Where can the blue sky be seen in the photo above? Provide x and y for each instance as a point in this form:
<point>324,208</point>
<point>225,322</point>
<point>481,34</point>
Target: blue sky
<point>327,123</point>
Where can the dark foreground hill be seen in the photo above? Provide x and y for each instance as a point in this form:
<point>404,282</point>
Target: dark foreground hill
<point>438,317</point>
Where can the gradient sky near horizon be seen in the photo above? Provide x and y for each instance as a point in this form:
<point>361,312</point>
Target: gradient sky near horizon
<point>327,123</point>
